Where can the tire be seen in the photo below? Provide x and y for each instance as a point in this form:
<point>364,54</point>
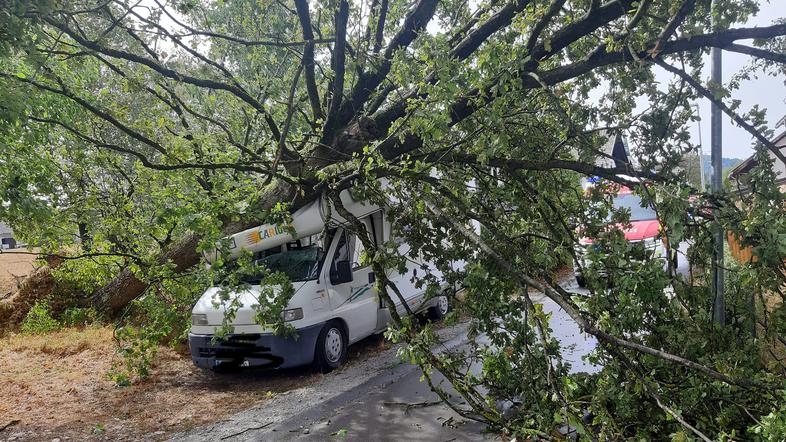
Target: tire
<point>439,311</point>
<point>331,349</point>
<point>580,280</point>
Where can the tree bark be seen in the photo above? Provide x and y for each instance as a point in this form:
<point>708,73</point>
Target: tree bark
<point>126,287</point>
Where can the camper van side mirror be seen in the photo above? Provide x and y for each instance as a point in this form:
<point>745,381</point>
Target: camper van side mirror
<point>341,273</point>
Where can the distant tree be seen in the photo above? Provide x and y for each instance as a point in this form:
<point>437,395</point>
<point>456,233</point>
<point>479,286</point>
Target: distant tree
<point>691,165</point>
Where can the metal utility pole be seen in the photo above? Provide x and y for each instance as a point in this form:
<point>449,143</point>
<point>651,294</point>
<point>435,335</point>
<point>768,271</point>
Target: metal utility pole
<point>702,180</point>
<point>716,137</point>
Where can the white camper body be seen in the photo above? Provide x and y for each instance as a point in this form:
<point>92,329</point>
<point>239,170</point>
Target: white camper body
<point>335,301</point>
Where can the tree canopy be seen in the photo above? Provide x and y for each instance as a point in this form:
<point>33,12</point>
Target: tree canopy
<point>136,134</point>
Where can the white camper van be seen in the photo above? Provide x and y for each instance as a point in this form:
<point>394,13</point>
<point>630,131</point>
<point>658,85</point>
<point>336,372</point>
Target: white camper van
<point>335,302</point>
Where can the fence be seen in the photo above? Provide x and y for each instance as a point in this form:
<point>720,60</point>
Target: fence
<point>743,254</point>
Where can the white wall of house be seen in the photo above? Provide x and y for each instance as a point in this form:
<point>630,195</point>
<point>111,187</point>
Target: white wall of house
<point>5,233</point>
<point>780,168</point>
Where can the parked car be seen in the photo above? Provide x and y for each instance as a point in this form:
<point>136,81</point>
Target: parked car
<point>643,233</point>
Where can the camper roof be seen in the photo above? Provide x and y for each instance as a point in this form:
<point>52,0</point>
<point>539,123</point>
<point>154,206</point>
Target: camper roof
<point>306,221</point>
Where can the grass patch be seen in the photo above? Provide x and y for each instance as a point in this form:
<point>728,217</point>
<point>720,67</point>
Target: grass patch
<point>65,342</point>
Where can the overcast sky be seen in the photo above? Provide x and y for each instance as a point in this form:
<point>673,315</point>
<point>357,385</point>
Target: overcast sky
<point>769,92</point>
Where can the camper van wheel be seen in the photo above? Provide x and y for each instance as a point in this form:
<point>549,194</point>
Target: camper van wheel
<point>331,349</point>
<point>580,280</point>
<point>440,309</point>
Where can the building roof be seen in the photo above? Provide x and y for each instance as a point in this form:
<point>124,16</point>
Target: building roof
<point>748,164</point>
<point>614,152</point>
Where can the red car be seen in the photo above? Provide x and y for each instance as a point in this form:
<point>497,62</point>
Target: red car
<point>642,232</point>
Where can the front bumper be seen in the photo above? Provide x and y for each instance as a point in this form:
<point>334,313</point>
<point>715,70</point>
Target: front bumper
<point>263,350</point>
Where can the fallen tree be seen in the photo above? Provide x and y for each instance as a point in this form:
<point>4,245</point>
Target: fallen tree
<point>144,134</point>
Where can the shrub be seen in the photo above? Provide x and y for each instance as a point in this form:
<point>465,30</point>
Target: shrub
<point>771,426</point>
<point>80,317</point>
<point>138,347</point>
<point>39,320</point>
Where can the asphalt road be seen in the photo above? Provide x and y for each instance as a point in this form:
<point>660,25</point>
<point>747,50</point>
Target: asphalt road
<point>377,399</point>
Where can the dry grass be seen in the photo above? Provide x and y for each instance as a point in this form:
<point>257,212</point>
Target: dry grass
<point>13,268</point>
<point>62,343</point>
<point>56,385</point>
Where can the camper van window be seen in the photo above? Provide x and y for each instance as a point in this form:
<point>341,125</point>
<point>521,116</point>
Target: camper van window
<point>340,269</point>
<point>357,253</point>
<point>633,203</point>
<point>301,261</point>
<point>357,244</point>
<point>377,226</point>
<point>342,251</point>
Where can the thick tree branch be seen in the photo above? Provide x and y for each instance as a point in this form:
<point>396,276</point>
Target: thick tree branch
<point>308,58</point>
<point>755,52</point>
<point>379,35</point>
<point>283,151</point>
<point>572,32</point>
<point>414,23</point>
<point>338,61</point>
<point>478,36</point>
<point>461,50</point>
<point>685,9</point>
<point>554,8</point>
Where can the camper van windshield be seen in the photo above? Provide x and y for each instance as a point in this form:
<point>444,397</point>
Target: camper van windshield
<point>298,264</point>
<point>300,260</point>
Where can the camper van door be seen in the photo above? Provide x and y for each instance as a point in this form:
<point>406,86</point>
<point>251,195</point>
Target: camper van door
<point>356,300</point>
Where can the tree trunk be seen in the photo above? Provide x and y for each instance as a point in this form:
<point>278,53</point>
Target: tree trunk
<point>125,287</point>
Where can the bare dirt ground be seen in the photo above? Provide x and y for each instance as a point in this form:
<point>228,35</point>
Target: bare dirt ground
<point>56,386</point>
<point>14,267</point>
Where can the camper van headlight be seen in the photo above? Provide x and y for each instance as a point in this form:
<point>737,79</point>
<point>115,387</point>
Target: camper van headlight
<point>292,314</point>
<point>198,319</point>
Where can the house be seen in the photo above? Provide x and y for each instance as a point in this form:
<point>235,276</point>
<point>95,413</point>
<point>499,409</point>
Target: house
<point>7,240</point>
<point>615,152</point>
<point>744,253</point>
<point>737,175</point>
<point>612,154</point>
